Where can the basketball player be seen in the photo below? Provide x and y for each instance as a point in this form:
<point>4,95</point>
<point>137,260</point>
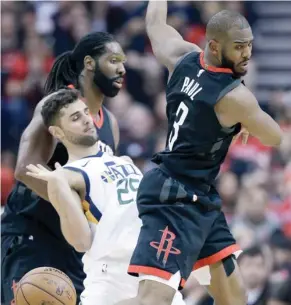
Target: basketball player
<point>93,188</point>
<point>31,233</point>
<point>206,106</point>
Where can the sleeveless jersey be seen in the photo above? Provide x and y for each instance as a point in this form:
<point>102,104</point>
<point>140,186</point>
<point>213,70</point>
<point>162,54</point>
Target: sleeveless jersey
<point>196,143</point>
<point>26,213</point>
<point>110,206</point>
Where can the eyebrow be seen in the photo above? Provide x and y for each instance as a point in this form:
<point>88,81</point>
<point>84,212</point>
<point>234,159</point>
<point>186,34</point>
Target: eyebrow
<point>77,112</point>
<point>244,41</point>
<point>123,56</point>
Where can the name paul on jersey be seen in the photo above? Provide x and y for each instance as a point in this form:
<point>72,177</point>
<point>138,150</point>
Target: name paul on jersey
<point>191,87</point>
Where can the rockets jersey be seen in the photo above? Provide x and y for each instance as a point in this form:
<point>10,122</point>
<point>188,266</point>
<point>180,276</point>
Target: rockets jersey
<point>196,143</point>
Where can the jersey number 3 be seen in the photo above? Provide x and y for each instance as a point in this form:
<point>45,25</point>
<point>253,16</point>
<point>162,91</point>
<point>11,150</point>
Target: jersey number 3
<point>181,115</point>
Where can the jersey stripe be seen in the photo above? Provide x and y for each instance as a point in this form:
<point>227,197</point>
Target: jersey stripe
<point>93,209</point>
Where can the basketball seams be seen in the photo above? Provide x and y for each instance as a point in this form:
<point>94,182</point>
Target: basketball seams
<point>70,284</point>
<point>28,283</point>
<point>23,295</point>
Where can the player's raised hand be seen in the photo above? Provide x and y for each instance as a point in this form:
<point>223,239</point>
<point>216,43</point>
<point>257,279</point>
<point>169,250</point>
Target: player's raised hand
<point>243,135</point>
<point>40,172</point>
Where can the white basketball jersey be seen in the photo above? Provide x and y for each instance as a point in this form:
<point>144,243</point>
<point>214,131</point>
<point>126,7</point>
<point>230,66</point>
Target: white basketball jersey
<point>110,204</point>
<point>110,207</point>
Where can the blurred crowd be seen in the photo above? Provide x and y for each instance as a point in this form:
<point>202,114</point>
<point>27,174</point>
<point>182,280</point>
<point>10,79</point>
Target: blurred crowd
<point>255,181</point>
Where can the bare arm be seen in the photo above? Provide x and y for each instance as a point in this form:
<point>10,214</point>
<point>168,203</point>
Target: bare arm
<point>168,45</point>
<point>36,146</point>
<point>241,106</point>
<point>65,192</point>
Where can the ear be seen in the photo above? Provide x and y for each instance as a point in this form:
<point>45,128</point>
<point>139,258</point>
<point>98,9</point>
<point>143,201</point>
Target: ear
<point>214,47</point>
<point>89,63</point>
<point>56,132</point>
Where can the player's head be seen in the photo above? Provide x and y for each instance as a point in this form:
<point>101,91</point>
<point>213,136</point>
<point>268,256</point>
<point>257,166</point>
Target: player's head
<point>96,53</point>
<point>67,118</point>
<point>230,37</point>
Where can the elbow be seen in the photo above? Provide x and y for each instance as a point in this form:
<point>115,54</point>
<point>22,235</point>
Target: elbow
<point>82,247</point>
<point>83,243</point>
<point>20,173</point>
<point>274,141</point>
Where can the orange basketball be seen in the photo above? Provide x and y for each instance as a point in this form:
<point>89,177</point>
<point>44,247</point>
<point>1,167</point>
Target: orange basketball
<point>45,286</point>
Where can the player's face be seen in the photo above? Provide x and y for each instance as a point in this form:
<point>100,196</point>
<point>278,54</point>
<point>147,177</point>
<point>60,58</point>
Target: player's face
<point>77,126</point>
<point>236,51</point>
<point>109,71</point>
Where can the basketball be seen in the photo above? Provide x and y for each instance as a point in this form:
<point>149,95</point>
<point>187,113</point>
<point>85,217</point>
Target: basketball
<point>45,285</point>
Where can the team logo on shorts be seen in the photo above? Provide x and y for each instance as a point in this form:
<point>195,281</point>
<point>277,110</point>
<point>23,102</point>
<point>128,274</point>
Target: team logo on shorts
<point>168,237</point>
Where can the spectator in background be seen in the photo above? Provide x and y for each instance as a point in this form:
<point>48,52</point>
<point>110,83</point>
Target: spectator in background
<point>139,140</point>
<point>282,296</point>
<point>7,175</point>
<point>34,33</point>
<point>254,214</point>
<point>228,188</point>
<point>254,271</point>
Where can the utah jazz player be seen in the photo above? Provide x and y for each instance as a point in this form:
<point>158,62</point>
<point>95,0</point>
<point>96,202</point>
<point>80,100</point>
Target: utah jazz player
<point>183,226</point>
<point>102,185</point>
<point>30,228</point>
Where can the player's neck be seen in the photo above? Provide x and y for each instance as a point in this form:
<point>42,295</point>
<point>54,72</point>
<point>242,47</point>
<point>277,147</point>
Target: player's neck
<point>93,96</point>
<point>77,152</point>
<point>209,59</point>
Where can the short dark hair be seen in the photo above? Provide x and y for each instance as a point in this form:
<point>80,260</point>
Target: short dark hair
<point>222,22</point>
<point>251,252</point>
<point>67,66</point>
<point>51,108</point>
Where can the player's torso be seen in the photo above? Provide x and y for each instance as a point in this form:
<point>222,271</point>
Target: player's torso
<point>110,205</point>
<point>26,213</point>
<point>196,143</point>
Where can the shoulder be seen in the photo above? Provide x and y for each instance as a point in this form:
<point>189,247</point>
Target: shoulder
<point>76,177</point>
<point>240,97</point>
<point>187,58</point>
<point>236,104</point>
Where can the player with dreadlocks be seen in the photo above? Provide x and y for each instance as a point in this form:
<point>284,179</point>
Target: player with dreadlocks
<point>31,232</point>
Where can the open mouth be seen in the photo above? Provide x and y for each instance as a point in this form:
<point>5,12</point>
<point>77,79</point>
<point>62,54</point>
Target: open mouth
<point>244,64</point>
<point>89,129</point>
<point>118,82</point>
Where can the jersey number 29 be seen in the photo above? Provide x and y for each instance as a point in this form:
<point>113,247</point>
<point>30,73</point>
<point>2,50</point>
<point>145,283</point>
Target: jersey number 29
<point>126,190</point>
<point>183,110</point>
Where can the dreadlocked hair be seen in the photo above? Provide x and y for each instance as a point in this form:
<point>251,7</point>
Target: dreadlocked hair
<point>68,66</point>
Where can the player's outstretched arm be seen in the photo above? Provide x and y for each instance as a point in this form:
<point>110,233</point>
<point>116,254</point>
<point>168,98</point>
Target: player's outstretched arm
<point>36,146</point>
<point>241,106</point>
<point>65,191</point>
<point>167,44</point>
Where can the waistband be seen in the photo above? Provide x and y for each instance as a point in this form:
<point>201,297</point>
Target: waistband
<point>205,198</point>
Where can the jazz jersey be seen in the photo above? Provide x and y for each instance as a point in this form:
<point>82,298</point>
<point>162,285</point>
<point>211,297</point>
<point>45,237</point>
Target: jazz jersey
<point>110,204</point>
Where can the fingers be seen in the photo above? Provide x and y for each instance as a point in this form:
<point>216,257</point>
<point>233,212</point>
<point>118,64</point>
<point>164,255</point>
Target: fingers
<point>36,168</point>
<point>37,171</point>
<point>34,175</point>
<point>243,134</point>
<point>42,168</point>
<point>245,137</point>
<point>32,168</point>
